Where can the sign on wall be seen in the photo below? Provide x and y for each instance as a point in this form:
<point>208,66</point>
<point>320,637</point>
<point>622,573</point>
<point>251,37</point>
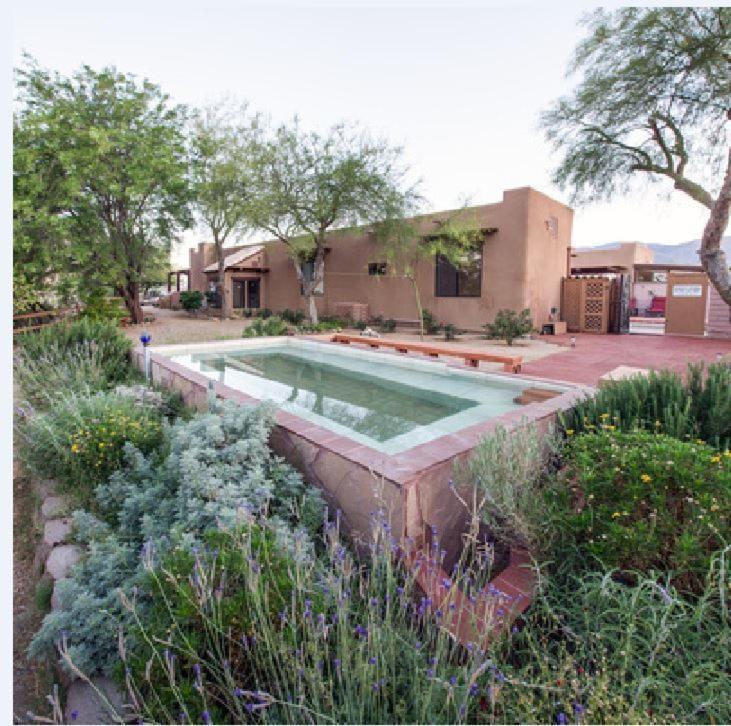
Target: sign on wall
<point>687,290</point>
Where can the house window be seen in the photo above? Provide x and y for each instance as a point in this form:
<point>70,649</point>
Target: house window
<point>459,280</point>
<point>308,272</point>
<point>377,268</point>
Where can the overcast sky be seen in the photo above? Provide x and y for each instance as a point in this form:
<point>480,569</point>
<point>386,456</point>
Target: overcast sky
<point>459,87</point>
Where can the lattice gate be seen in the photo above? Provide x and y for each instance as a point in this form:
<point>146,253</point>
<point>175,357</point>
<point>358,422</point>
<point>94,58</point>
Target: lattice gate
<point>585,304</point>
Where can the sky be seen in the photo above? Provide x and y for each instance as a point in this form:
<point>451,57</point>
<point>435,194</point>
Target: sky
<point>460,87</point>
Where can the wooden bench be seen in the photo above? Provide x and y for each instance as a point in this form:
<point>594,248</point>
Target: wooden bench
<point>511,364</point>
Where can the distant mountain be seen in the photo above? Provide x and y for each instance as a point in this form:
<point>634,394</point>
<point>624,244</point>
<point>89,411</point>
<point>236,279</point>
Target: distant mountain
<point>685,253</point>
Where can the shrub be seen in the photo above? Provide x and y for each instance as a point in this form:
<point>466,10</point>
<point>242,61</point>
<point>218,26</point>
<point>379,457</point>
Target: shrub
<point>98,307</point>
<point>593,650</point>
<point>287,642</point>
<point>112,345</point>
<point>388,325</point>
<point>191,300</point>
<point>264,313</point>
<point>295,317</point>
<point>509,325</point>
<point>361,325</point>
<point>273,325</point>
<point>699,406</point>
<point>450,331</point>
<point>322,327</point>
<point>81,440</point>
<point>217,471</point>
<point>431,325</point>
<point>640,501</point>
<point>60,370</point>
<point>508,469</point>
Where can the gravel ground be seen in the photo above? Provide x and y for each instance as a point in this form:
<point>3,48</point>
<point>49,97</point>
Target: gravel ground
<point>177,326</point>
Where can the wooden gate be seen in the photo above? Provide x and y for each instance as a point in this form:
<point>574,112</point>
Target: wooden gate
<point>585,304</point>
<point>687,303</point>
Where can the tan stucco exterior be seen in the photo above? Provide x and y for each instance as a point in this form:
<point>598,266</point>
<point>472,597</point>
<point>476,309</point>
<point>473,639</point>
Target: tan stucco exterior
<point>523,263</point>
<point>625,255</point>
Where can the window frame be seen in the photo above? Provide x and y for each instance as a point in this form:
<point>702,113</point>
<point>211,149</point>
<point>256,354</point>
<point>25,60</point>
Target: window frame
<point>377,269</point>
<point>457,269</point>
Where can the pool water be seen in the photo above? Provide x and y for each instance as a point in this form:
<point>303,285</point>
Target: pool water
<point>379,400</point>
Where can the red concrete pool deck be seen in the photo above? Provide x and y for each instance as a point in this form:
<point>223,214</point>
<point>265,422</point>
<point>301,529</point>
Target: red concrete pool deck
<point>595,355</point>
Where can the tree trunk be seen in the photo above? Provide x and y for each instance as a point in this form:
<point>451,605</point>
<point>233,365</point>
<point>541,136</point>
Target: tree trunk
<point>417,297</point>
<point>312,307</point>
<point>713,258</point>
<point>131,295</point>
<point>221,258</point>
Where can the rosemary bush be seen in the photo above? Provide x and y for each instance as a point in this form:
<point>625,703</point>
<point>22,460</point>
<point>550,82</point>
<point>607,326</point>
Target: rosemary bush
<point>508,469</point>
<point>699,406</point>
<point>111,346</point>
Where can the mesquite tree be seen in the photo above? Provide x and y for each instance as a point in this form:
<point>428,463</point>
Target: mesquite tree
<point>308,184</point>
<point>120,148</point>
<point>653,102</point>
<point>222,138</point>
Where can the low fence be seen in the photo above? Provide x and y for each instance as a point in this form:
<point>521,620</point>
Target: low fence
<point>42,319</point>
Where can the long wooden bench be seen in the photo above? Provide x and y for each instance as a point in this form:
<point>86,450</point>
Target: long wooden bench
<point>472,358</point>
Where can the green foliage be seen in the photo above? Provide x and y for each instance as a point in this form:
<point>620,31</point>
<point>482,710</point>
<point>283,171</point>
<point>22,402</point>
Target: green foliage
<point>217,471</point>
<point>361,325</point>
<point>450,331</point>
<point>263,313</point>
<point>309,183</point>
<point>43,594</point>
<point>61,355</point>
<point>698,406</point>
<point>430,324</point>
<point>388,325</point>
<point>81,440</point>
<point>191,300</point>
<point>509,325</point>
<point>273,325</point>
<point>295,317</point>
<point>509,470</point>
<point>593,651</point>
<point>118,188</point>
<point>641,501</point>
<point>297,641</point>
<point>324,326</point>
<point>26,296</point>
<point>99,308</point>
<point>652,99</point>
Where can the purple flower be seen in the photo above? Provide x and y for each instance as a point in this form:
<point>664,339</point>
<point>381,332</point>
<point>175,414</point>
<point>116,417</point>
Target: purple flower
<point>474,689</point>
<point>206,717</point>
<point>372,660</point>
<point>452,680</point>
<point>578,708</point>
<point>74,715</point>
<point>446,583</point>
<point>561,718</point>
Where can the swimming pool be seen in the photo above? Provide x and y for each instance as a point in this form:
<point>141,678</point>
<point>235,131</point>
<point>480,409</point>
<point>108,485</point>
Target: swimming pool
<point>382,401</point>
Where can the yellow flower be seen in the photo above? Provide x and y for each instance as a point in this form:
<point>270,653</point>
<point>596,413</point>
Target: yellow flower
<point>657,424</point>
<point>715,459</point>
<point>101,444</point>
<point>727,453</point>
<point>604,416</point>
<point>615,515</point>
<point>569,432</point>
<point>75,448</point>
<point>646,478</point>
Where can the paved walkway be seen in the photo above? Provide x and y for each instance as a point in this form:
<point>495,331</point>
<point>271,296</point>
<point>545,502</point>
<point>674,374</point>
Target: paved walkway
<point>595,355</point>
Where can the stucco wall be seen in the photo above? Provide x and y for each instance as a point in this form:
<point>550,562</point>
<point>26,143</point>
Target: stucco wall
<point>523,263</point>
<point>625,254</point>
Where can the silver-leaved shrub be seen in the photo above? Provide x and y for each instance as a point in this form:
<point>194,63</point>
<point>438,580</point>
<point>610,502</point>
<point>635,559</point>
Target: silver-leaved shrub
<point>217,469</point>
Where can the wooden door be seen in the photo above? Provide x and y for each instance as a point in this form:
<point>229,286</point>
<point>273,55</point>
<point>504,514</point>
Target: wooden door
<point>687,303</point>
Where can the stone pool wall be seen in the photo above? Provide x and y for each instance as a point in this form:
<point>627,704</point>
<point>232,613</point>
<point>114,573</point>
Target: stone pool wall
<point>411,487</point>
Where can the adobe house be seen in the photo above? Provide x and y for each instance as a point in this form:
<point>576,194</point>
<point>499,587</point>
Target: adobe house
<point>523,256</point>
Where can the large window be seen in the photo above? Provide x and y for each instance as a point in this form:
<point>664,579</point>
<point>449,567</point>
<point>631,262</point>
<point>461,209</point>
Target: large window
<point>459,280</point>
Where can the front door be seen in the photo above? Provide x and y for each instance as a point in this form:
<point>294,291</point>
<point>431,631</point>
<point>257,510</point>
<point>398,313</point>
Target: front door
<point>239,300</point>
<point>252,294</point>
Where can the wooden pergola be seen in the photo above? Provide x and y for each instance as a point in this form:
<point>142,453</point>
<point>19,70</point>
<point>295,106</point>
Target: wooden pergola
<point>177,274</point>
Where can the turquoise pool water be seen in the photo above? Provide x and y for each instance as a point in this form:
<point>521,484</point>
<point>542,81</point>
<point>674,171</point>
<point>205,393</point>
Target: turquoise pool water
<point>387,403</point>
